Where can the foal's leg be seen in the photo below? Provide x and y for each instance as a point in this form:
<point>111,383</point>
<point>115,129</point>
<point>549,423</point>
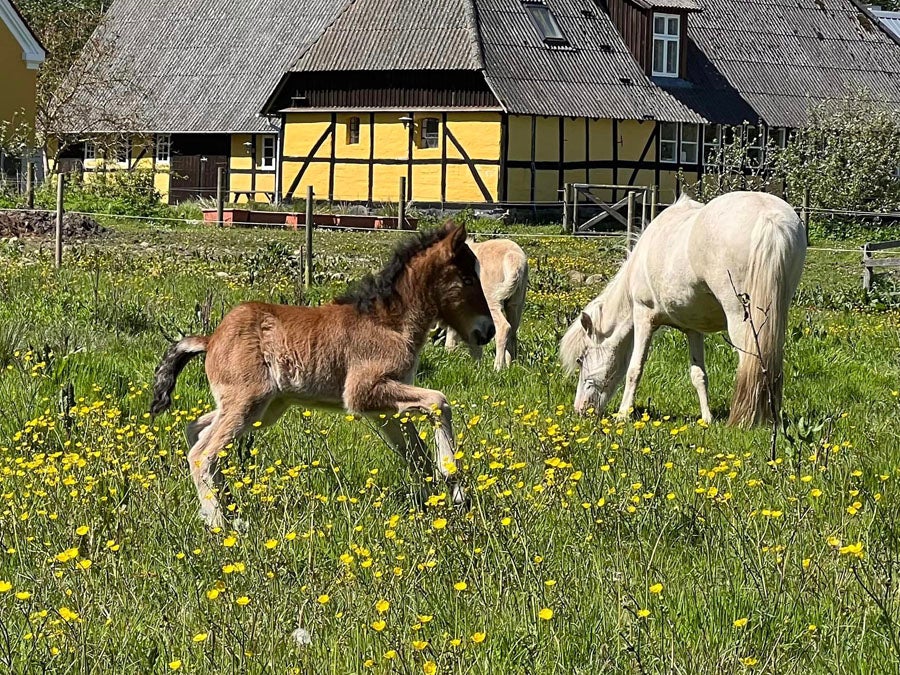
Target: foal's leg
<point>366,397</point>
<point>203,458</point>
<point>502,337</point>
<point>698,373</point>
<point>643,334</point>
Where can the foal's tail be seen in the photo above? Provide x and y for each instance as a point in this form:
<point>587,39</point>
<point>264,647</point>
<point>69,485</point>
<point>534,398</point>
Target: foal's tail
<point>174,361</point>
<point>515,278</point>
<point>778,250</point>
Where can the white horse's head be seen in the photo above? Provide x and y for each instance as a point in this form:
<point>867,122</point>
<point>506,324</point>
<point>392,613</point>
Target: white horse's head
<point>599,357</point>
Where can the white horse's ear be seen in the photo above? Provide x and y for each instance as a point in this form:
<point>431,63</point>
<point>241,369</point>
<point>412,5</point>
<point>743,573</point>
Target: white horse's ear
<point>587,324</point>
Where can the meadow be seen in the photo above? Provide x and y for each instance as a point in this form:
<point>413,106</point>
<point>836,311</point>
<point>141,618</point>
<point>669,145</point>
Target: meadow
<point>659,544</point>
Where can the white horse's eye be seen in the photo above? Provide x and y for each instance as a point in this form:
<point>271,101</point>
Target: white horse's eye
<point>580,361</point>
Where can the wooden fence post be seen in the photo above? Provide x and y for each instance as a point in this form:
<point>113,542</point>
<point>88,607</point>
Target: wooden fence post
<point>654,202</point>
<point>29,185</point>
<point>309,237</point>
<point>60,195</point>
<point>565,204</point>
<point>220,196</point>
<point>401,205</point>
<point>804,214</point>
<point>867,270</point>
<point>629,222</point>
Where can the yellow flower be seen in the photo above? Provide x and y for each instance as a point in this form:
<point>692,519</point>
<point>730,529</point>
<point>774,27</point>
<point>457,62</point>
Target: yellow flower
<point>856,550</point>
<point>243,601</point>
<point>460,585</point>
<point>382,606</point>
<point>323,599</point>
<point>23,595</point>
<point>439,523</point>
<point>67,614</point>
<point>378,625</point>
<point>84,564</point>
<point>425,618</point>
<point>740,623</point>
<point>228,542</point>
<point>175,665</point>
<point>5,586</point>
<point>429,667</point>
<point>212,593</point>
<point>83,530</point>
<point>271,543</point>
<point>749,661</point>
<point>390,655</point>
<point>815,492</point>
<point>201,637</point>
<point>656,589</point>
<point>643,613</point>
<point>478,638</point>
<point>419,645</point>
<point>546,614</point>
<point>806,563</point>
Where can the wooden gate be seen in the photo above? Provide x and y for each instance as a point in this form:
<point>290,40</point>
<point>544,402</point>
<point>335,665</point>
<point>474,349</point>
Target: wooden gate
<point>608,209</point>
<point>195,176</point>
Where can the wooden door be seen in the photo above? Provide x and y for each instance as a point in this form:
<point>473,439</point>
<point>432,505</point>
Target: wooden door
<point>195,176</point>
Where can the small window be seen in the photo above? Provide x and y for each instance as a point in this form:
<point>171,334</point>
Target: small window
<point>754,143</point>
<point>353,131</point>
<point>163,148</point>
<point>712,141</point>
<point>668,142</point>
<point>779,137</point>
<point>90,151</point>
<point>268,153</point>
<point>546,23</point>
<point>430,132</point>
<point>121,152</point>
<point>690,142</point>
<point>666,47</point>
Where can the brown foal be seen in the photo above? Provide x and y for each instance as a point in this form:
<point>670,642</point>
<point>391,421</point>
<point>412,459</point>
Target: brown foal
<point>358,353</point>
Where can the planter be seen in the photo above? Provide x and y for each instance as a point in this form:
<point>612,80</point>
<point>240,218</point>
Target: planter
<point>294,220</point>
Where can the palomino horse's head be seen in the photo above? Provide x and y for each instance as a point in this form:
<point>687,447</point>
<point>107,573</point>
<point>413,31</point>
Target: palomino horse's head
<point>598,358</point>
<point>457,290</point>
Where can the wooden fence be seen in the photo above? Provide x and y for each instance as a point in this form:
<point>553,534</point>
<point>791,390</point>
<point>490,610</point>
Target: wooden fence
<point>870,263</point>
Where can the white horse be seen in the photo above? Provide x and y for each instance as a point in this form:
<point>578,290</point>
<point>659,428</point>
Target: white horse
<point>503,272</point>
<point>733,264</point>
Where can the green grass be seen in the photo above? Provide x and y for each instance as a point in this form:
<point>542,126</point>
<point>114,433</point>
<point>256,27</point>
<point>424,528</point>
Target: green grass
<point>579,516</point>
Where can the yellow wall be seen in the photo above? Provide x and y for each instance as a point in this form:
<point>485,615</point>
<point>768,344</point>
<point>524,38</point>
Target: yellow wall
<point>478,133</point>
<point>18,100</point>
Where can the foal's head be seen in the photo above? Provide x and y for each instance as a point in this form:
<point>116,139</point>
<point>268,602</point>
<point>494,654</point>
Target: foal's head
<point>457,290</point>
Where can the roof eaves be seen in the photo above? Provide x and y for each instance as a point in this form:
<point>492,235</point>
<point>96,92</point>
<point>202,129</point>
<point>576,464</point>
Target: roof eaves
<point>33,51</point>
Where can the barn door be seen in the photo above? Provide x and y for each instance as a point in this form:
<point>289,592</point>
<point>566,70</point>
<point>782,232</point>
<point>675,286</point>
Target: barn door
<point>185,178</point>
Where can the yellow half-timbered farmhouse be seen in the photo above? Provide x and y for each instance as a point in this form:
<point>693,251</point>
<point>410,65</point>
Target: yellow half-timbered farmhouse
<point>482,101</point>
<point>20,57</point>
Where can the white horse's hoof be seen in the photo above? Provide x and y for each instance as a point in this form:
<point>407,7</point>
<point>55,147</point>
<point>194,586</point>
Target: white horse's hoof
<point>622,416</point>
<point>240,525</point>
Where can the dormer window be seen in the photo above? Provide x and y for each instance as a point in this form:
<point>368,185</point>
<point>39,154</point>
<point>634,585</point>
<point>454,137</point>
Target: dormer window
<point>666,44</point>
<point>546,23</point>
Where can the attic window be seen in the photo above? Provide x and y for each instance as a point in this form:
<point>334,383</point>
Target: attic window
<point>666,47</point>
<point>546,23</point>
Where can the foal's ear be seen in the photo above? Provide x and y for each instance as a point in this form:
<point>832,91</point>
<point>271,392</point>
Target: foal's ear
<point>587,324</point>
<point>458,238</point>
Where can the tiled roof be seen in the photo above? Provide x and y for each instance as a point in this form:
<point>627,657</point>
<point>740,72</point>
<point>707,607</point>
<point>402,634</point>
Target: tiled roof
<point>209,65</point>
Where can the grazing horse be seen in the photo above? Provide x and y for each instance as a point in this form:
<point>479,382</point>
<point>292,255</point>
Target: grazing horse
<point>733,264</point>
<point>358,353</point>
<point>503,271</point>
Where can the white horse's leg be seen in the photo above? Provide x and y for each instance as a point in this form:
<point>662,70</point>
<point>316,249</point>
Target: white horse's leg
<point>698,373</point>
<point>643,334</point>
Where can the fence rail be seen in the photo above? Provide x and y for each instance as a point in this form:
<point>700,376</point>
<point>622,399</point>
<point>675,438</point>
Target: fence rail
<point>871,263</point>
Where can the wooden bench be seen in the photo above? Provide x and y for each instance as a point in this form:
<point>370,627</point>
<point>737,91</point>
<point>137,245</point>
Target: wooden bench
<point>251,195</point>
<point>870,263</point>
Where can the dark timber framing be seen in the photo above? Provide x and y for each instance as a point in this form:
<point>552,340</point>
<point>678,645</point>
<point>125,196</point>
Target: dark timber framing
<point>443,158</point>
<point>371,156</point>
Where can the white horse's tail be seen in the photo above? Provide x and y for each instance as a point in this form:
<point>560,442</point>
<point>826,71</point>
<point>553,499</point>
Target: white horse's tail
<point>778,250</point>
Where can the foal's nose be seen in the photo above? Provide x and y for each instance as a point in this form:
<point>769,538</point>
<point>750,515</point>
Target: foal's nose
<point>484,332</point>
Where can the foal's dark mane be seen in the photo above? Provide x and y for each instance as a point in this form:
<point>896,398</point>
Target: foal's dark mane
<point>365,293</point>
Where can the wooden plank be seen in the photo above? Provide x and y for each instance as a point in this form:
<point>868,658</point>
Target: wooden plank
<point>881,262</point>
<point>882,245</point>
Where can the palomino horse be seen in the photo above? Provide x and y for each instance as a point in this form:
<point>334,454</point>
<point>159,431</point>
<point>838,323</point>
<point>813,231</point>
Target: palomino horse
<point>733,264</point>
<point>359,353</point>
<point>503,271</point>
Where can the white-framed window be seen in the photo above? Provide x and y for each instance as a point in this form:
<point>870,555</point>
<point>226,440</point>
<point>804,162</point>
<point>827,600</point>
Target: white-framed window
<point>353,131</point>
<point>712,142</point>
<point>163,148</point>
<point>430,132</point>
<point>90,151</point>
<point>690,143</point>
<point>779,137</point>
<point>267,160</point>
<point>666,44</point>
<point>668,142</point>
<point>754,142</point>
